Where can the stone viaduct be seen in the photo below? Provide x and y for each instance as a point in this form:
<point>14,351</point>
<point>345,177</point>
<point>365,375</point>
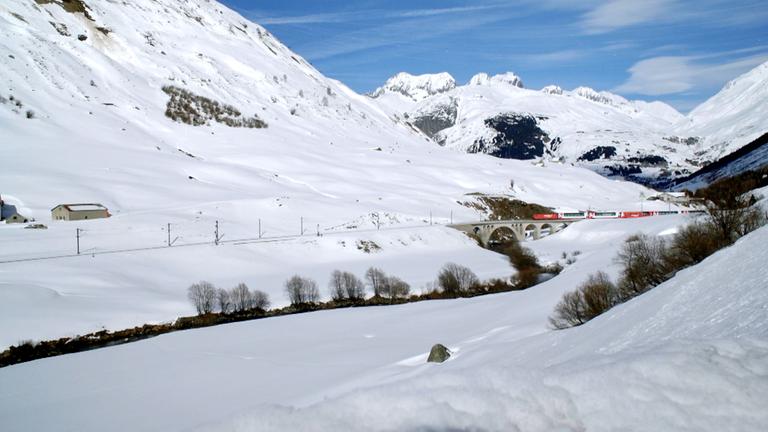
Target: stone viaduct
<point>521,229</point>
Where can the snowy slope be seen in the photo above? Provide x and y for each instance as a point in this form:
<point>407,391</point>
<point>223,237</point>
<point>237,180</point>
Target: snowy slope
<point>734,117</point>
<point>329,161</point>
<point>752,156</point>
<point>689,355</point>
<point>583,126</point>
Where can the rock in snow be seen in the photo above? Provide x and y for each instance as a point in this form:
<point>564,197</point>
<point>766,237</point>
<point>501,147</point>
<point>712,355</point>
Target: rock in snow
<point>438,354</point>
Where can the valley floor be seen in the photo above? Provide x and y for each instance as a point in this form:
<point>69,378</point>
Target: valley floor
<point>690,355</point>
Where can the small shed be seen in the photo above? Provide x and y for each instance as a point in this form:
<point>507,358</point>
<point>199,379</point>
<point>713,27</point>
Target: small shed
<point>72,212</point>
<point>15,217</point>
<point>9,214</point>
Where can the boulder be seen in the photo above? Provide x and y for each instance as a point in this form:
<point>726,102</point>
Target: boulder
<point>438,354</point>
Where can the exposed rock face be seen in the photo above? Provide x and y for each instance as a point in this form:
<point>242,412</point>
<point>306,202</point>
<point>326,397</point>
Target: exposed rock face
<point>518,136</point>
<point>623,171</point>
<point>441,117</point>
<point>649,161</point>
<point>600,152</point>
<point>438,354</point>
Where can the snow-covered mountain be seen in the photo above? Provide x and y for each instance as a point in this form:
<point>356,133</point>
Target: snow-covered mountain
<point>645,141</point>
<point>498,116</point>
<point>732,118</point>
<point>417,87</point>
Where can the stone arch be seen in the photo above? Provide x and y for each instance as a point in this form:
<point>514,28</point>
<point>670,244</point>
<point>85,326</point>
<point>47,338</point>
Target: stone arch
<point>546,230</point>
<point>531,231</point>
<point>501,234</point>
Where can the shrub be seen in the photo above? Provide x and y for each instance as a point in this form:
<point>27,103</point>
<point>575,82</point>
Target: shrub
<point>599,294</point>
<point>732,218</point>
<point>691,245</point>
<point>30,114</point>
<point>455,280</point>
<point>203,296</point>
<point>645,265</point>
<point>520,257</point>
<point>187,107</point>
<point>526,278</point>
<point>569,312</point>
<point>593,297</point>
<point>301,291</point>
<point>525,262</point>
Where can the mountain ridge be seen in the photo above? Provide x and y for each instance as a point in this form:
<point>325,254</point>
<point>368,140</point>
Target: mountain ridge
<point>649,142</point>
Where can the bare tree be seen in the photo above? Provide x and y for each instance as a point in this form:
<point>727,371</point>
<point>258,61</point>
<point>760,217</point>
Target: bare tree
<point>353,286</point>
<point>569,312</point>
<point>733,218</point>
<point>455,279</point>
<point>346,286</point>
<point>260,300</point>
<point>394,287</point>
<point>241,297</point>
<point>375,278</point>
<point>203,296</point>
<point>336,285</point>
<point>301,291</point>
<point>224,301</point>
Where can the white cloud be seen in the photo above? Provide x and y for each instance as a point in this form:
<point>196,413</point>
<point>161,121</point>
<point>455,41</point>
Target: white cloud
<point>336,17</point>
<point>342,17</point>
<point>616,14</point>
<point>678,74</point>
<point>397,32</point>
<point>442,11</point>
<point>554,57</point>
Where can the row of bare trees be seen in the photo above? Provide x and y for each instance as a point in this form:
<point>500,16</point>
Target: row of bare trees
<point>208,299</point>
<point>345,287</point>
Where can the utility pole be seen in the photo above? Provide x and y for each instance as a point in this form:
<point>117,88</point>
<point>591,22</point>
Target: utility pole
<point>451,217</point>
<point>302,225</point>
<point>77,235</point>
<point>169,235</point>
<point>430,217</point>
<point>318,230</point>
<point>259,227</point>
<point>216,234</point>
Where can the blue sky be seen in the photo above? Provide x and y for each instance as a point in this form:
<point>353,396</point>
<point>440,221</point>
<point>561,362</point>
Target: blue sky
<point>678,51</point>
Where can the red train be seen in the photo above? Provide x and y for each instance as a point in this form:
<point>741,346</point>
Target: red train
<point>610,214</point>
